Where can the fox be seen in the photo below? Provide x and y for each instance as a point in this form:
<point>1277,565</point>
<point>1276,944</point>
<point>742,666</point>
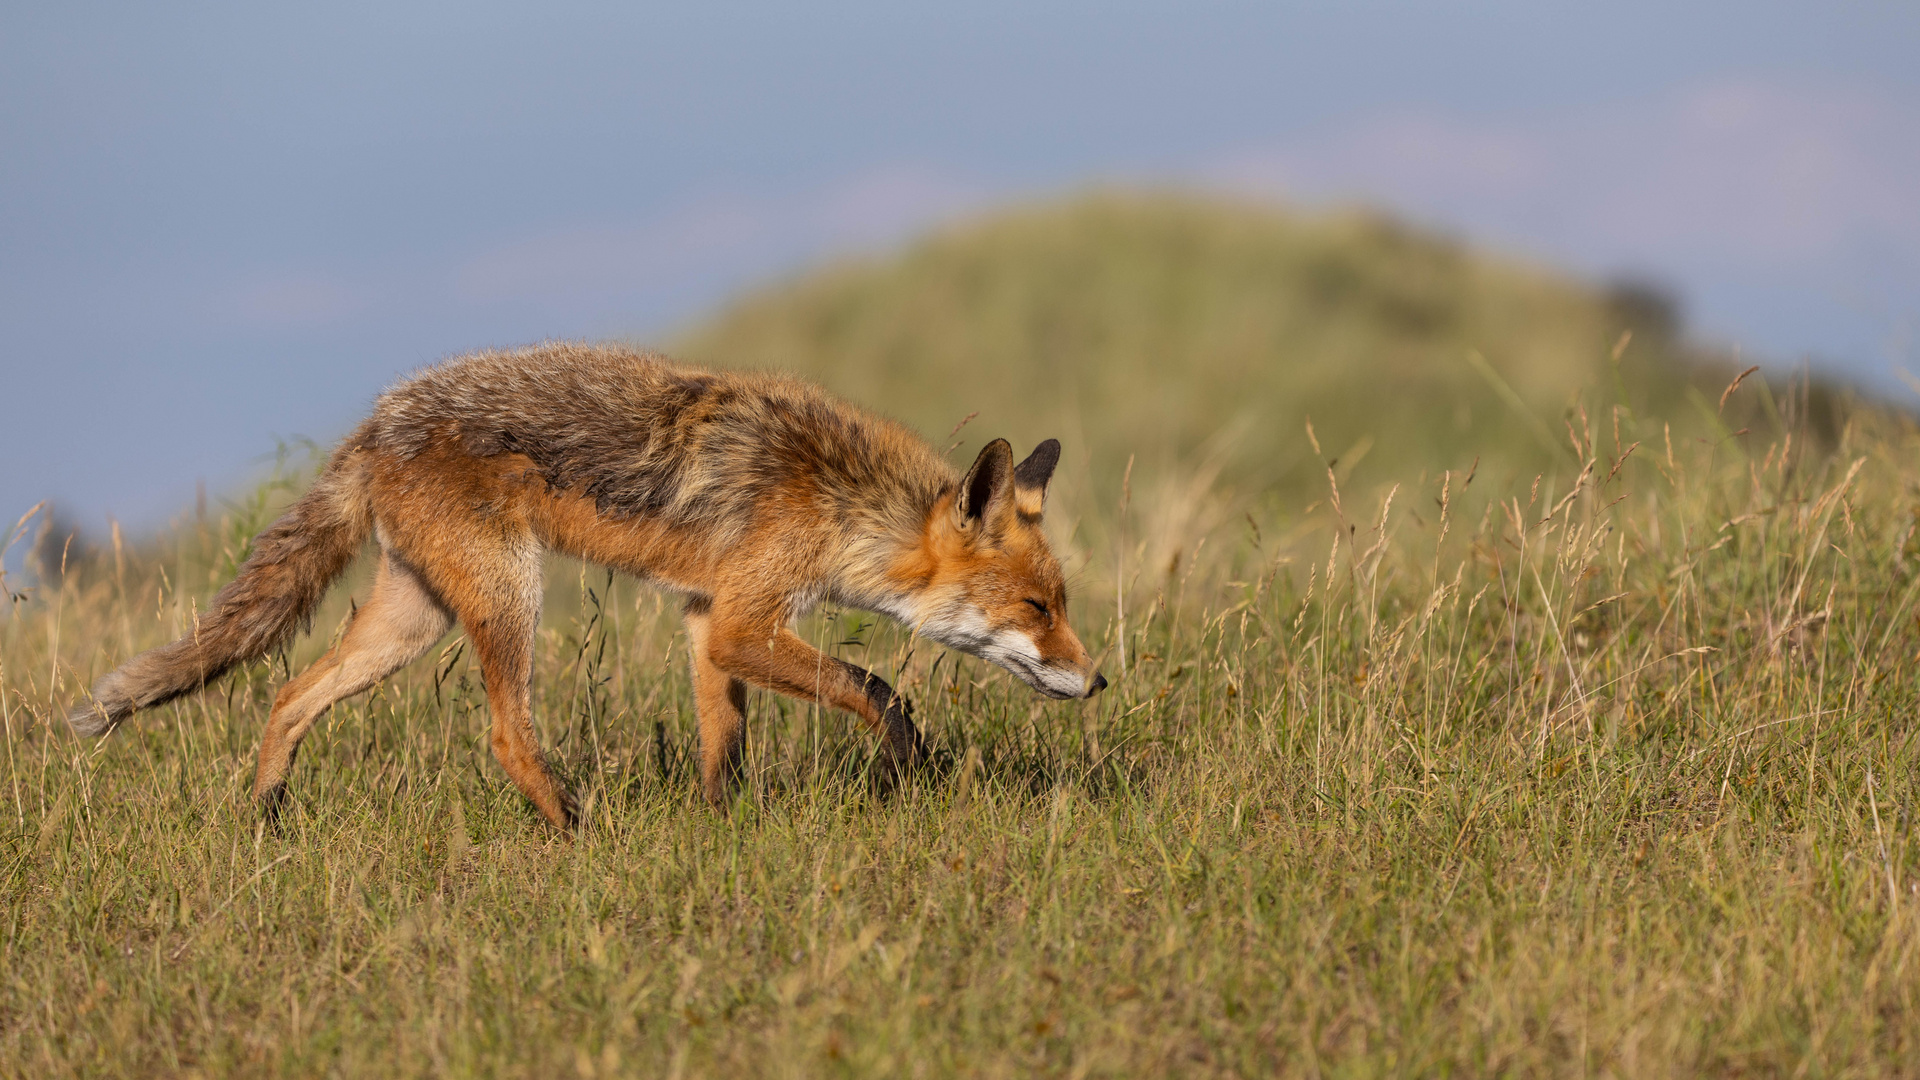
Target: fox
<point>751,496</point>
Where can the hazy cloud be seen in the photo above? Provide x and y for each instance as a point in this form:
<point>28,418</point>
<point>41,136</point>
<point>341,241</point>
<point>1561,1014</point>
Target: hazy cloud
<point>721,235</point>
<point>288,300</point>
<point>1732,171</point>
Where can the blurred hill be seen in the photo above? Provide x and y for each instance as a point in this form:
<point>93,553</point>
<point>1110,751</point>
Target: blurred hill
<point>1174,328</point>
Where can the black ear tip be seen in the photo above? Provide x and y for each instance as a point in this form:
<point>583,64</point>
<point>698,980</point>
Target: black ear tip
<point>1038,468</point>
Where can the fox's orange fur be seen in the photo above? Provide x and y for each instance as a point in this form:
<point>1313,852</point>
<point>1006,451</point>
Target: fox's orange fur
<point>753,496</point>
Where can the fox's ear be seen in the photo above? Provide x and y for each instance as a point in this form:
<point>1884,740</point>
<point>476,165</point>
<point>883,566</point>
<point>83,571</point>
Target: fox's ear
<point>985,491</point>
<point>1030,477</point>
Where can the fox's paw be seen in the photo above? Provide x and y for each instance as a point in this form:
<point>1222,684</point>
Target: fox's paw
<point>273,804</point>
<point>905,748</point>
<point>894,765</point>
<point>570,817</point>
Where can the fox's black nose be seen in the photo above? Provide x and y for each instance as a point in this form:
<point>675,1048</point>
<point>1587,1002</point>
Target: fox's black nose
<point>1098,684</point>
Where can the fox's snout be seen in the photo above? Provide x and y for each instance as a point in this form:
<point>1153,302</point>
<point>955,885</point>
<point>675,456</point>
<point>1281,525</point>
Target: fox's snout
<point>1061,681</point>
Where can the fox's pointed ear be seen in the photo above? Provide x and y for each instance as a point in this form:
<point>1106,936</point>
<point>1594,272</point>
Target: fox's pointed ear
<point>1030,477</point>
<point>988,485</point>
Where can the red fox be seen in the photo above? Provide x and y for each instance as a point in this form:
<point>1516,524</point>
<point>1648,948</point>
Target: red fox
<point>753,496</point>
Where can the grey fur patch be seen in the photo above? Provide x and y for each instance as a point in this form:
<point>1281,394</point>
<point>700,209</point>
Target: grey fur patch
<point>644,437</point>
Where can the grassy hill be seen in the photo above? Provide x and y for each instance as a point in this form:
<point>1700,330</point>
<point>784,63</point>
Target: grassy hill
<point>1168,328</point>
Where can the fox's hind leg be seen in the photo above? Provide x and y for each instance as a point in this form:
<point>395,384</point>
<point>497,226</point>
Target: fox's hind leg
<point>399,622</point>
<point>494,590</point>
<point>721,701</point>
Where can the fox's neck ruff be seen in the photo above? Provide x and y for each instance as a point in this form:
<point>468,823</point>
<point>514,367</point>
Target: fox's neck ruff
<point>890,564</point>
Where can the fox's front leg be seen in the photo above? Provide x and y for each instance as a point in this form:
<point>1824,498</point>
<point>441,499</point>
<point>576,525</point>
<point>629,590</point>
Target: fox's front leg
<point>766,653</point>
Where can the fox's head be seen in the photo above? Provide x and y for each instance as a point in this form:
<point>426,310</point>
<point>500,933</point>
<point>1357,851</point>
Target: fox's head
<point>992,586</point>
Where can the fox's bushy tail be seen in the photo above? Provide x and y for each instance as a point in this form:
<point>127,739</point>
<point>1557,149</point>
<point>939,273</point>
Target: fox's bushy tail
<point>275,594</point>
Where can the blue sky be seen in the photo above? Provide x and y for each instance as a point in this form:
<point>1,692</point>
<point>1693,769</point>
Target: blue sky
<point>222,225</point>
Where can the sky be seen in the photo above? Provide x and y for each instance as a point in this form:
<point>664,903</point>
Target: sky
<point>225,226</point>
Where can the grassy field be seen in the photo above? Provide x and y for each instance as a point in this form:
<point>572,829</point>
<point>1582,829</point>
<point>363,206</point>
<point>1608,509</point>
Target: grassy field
<point>1595,762</point>
<point>1609,773</point>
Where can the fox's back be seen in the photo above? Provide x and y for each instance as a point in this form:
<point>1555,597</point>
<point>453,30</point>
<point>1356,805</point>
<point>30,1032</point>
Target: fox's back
<point>646,438</point>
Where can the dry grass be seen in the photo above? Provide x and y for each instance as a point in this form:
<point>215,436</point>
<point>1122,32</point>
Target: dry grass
<point>1610,775</point>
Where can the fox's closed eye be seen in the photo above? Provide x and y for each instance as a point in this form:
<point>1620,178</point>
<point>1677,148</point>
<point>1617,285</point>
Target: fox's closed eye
<point>1038,605</point>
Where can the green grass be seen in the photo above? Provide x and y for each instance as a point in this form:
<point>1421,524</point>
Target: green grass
<point>1597,759</point>
<point>1614,777</point>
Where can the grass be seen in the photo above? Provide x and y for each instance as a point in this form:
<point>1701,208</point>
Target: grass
<point>1610,771</point>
